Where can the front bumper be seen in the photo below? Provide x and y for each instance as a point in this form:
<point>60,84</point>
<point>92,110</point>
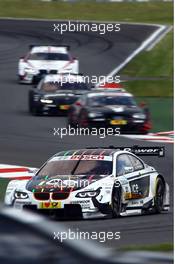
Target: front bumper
<point>68,212</point>
<point>65,209</point>
<point>53,109</point>
<point>130,126</point>
<point>26,78</point>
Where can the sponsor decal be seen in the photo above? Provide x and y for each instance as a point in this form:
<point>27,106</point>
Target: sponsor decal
<point>50,205</point>
<point>87,157</point>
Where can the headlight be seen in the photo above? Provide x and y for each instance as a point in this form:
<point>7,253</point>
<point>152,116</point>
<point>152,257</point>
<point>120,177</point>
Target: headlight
<point>139,116</point>
<point>46,101</point>
<point>88,194</point>
<point>20,195</point>
<point>93,115</point>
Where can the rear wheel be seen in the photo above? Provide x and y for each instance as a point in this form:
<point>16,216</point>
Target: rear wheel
<point>70,121</point>
<point>160,190</point>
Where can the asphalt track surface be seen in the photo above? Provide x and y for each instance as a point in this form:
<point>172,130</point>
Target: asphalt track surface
<point>28,140</point>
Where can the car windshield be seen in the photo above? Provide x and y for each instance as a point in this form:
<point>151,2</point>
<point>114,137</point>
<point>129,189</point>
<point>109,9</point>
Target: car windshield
<point>111,100</point>
<point>54,86</point>
<point>49,56</point>
<point>76,167</point>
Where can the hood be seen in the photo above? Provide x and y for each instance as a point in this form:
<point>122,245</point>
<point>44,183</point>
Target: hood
<point>48,65</point>
<point>58,183</point>
<point>63,93</point>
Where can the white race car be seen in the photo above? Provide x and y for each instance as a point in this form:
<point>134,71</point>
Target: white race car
<point>93,183</point>
<point>41,60</point>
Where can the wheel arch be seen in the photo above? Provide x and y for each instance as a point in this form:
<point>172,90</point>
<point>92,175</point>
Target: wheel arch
<point>159,176</point>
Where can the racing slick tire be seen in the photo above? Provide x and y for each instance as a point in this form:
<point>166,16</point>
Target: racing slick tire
<point>33,110</point>
<point>20,79</point>
<point>159,196</point>
<point>83,120</point>
<point>70,122</point>
<point>116,204</point>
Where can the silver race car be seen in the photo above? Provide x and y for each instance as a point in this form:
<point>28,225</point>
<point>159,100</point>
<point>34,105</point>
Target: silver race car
<point>94,182</point>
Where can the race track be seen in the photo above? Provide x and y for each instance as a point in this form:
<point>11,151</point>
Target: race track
<point>28,140</point>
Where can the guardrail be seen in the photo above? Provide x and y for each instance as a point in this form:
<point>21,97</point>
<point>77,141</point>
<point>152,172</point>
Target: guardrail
<point>76,251</point>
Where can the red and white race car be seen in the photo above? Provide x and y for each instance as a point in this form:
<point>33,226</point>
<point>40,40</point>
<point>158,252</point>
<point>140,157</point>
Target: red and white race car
<point>41,60</point>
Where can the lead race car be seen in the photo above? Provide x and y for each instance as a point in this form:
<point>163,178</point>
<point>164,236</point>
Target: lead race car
<point>41,60</point>
<point>93,183</point>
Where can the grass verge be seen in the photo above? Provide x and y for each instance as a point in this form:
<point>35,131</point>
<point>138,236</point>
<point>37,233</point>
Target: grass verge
<point>3,185</point>
<point>161,110</point>
<point>160,247</point>
<point>157,65</point>
<point>151,12</point>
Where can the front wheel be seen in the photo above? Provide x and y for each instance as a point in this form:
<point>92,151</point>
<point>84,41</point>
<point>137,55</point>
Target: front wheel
<point>116,201</point>
<point>159,196</point>
<point>83,120</point>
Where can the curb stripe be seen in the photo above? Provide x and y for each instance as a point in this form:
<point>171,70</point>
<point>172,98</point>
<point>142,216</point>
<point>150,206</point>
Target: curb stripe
<point>9,170</point>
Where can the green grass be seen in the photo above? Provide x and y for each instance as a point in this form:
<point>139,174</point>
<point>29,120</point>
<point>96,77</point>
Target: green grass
<point>161,110</point>
<point>152,12</point>
<point>158,64</point>
<point>155,88</point>
<point>3,185</point>
<point>160,247</point>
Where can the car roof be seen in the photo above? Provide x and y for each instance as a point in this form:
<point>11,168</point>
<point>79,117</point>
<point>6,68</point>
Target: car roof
<point>51,49</point>
<point>63,78</point>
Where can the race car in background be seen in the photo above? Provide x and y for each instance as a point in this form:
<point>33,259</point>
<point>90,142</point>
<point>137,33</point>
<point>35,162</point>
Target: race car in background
<point>55,93</point>
<point>94,182</point>
<point>41,60</point>
<point>115,109</point>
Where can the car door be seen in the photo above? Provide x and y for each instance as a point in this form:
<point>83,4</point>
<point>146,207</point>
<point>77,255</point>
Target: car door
<point>124,169</point>
<point>139,181</point>
<point>130,171</point>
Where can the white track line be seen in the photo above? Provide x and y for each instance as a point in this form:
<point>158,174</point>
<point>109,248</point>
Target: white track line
<point>144,44</point>
<point>159,38</point>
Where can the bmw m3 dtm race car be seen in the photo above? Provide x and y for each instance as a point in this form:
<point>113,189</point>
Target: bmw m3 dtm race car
<point>55,93</point>
<point>93,183</point>
<point>41,60</point>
